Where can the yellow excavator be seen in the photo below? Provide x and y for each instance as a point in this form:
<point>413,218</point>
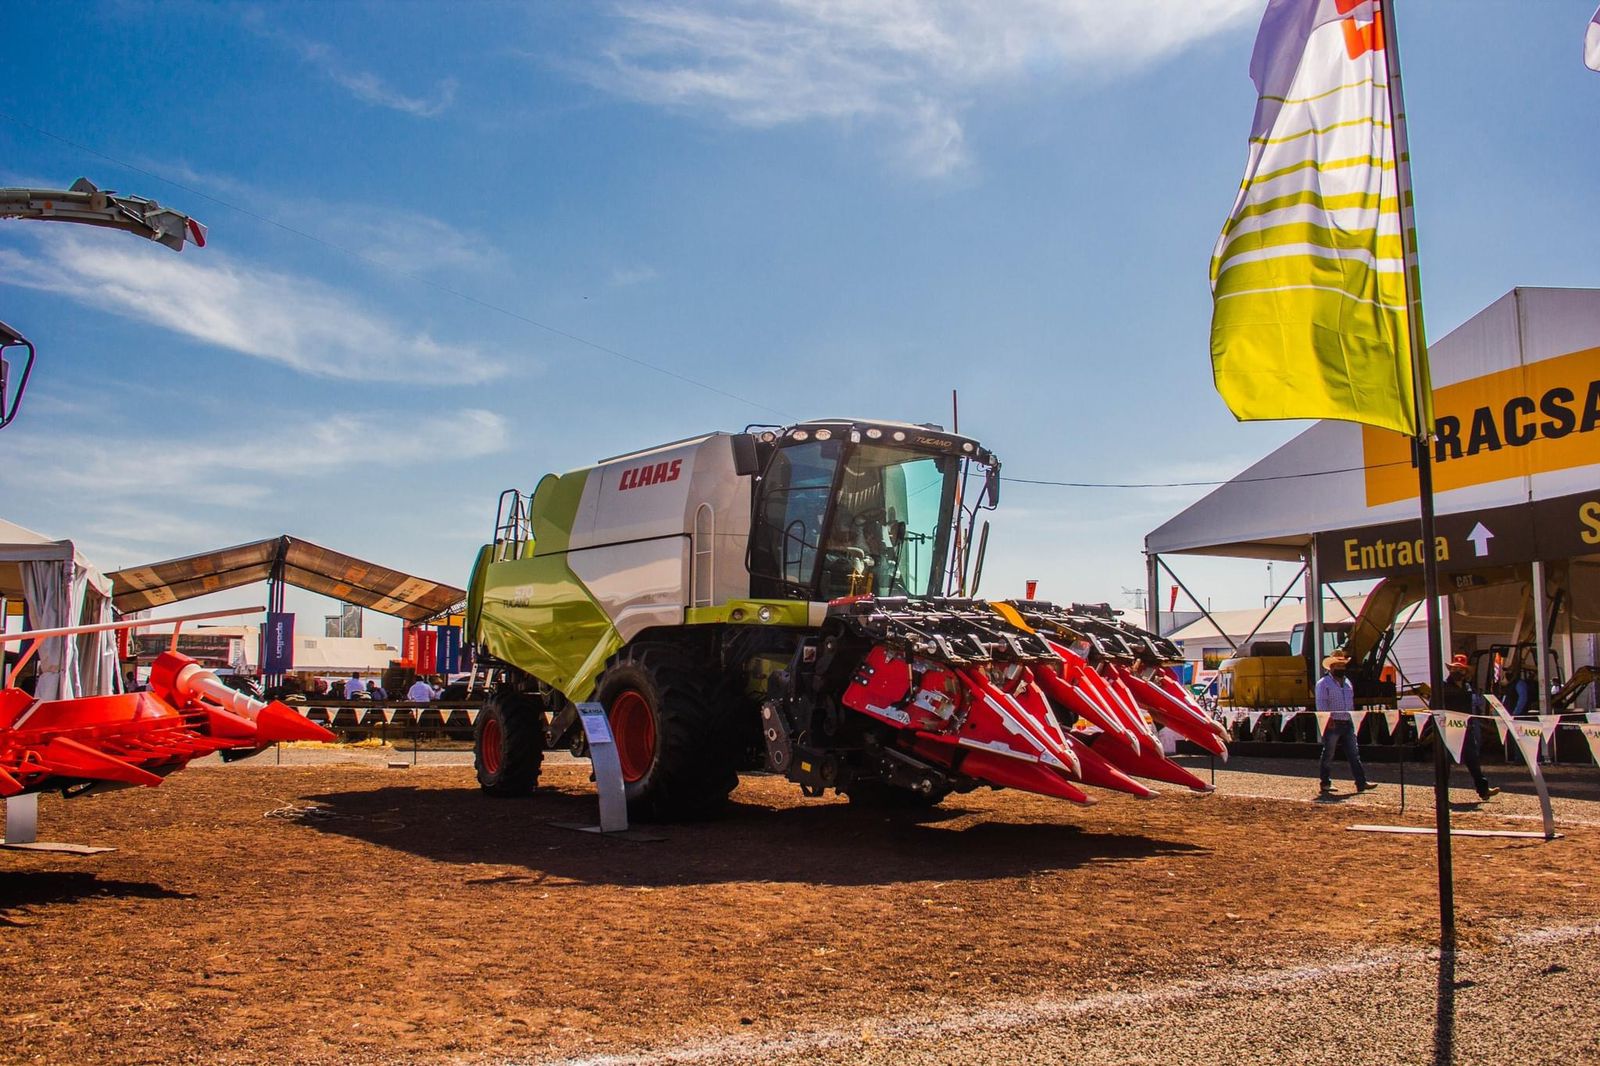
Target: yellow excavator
<point>1278,675</point>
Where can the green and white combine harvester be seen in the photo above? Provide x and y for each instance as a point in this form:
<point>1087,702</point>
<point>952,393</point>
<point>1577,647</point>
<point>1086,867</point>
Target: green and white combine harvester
<point>797,597</point>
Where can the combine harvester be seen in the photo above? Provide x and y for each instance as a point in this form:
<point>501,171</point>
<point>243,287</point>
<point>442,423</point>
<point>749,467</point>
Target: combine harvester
<point>797,597</point>
<point>97,743</point>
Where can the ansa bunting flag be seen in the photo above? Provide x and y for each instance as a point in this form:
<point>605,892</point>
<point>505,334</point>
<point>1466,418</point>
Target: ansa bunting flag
<point>1308,277</point>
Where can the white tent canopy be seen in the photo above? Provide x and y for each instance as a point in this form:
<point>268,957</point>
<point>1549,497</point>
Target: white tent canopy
<point>1515,347</point>
<point>60,588</point>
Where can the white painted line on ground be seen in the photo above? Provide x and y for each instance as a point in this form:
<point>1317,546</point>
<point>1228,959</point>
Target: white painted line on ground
<point>1420,830</point>
<point>1030,1012</point>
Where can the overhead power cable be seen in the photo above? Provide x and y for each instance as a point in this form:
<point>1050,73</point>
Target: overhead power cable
<point>1199,484</point>
<point>371,261</point>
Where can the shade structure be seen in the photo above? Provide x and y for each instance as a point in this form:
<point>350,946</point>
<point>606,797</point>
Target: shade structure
<point>297,562</point>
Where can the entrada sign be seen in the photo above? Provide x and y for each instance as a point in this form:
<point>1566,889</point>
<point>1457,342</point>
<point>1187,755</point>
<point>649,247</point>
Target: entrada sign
<point>1543,529</point>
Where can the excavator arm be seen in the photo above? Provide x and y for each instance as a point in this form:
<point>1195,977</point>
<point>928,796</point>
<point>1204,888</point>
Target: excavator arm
<point>1394,594</point>
<point>90,206</point>
<point>1568,694</point>
<point>84,203</point>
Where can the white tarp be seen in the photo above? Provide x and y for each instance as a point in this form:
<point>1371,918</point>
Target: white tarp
<point>1268,511</point>
<point>60,589</point>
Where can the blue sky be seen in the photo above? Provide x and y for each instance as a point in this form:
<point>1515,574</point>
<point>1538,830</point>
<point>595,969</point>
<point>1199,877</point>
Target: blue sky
<point>818,208</point>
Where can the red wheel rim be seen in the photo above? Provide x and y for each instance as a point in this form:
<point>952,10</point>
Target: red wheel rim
<point>634,728</point>
<point>489,745</point>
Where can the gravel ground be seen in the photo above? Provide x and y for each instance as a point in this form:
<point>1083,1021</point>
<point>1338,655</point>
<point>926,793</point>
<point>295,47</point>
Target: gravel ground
<point>1574,789</point>
<point>1528,999</point>
<point>398,916</point>
<point>353,755</point>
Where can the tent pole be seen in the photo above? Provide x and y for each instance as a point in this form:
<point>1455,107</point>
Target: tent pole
<point>1152,599</point>
<point>1196,601</point>
<point>1314,602</point>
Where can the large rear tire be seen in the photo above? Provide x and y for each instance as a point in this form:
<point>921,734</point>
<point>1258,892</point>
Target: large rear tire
<point>508,743</point>
<point>676,749</point>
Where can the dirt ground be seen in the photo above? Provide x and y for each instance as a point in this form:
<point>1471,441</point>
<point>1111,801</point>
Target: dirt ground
<point>319,914</point>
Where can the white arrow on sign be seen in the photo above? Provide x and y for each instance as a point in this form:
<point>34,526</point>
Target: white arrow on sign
<point>1480,537</point>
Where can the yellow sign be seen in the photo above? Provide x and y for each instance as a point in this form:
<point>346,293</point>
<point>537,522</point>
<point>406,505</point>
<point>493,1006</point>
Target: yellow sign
<point>1525,420</point>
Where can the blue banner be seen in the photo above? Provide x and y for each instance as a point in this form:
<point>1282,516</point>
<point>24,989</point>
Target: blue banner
<point>277,643</point>
<point>449,654</point>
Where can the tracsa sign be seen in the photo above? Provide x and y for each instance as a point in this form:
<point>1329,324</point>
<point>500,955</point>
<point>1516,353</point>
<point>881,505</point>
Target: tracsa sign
<point>1526,420</point>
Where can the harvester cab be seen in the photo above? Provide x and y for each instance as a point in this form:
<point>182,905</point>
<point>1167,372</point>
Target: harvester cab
<point>844,510</point>
<point>795,597</point>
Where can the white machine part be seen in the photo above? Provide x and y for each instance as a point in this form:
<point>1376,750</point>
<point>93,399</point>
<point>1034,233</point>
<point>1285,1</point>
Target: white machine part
<point>663,530</point>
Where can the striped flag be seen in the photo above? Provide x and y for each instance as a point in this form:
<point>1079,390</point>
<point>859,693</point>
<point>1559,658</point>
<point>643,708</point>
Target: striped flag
<point>1591,43</point>
<point>1308,276</point>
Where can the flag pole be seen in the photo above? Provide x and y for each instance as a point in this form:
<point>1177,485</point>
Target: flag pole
<point>1421,449</point>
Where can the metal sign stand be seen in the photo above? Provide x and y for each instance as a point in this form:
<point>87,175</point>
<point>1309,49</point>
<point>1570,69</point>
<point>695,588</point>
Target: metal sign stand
<point>22,829</point>
<point>607,779</point>
<point>1533,765</point>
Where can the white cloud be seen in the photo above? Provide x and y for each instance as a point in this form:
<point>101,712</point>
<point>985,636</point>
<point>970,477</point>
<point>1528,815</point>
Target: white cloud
<point>237,468</point>
<point>910,66</point>
<point>406,241</point>
<point>390,237</point>
<point>638,275</point>
<point>364,85</point>
<point>284,319</point>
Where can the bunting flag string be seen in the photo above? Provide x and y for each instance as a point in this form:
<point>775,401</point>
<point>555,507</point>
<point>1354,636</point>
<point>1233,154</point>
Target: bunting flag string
<point>388,716</point>
<point>1232,716</point>
<point>1391,717</point>
<point>1356,718</point>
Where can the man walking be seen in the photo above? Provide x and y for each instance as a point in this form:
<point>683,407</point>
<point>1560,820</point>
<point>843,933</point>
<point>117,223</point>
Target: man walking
<point>1336,696</point>
<point>1460,696</point>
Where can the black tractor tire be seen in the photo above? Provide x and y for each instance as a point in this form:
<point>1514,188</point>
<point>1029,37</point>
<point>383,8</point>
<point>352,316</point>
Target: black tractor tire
<point>880,795</point>
<point>677,748</point>
<point>512,723</point>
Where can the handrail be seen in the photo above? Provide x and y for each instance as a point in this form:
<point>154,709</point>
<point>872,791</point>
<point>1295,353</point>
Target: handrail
<point>132,623</point>
<point>39,636</point>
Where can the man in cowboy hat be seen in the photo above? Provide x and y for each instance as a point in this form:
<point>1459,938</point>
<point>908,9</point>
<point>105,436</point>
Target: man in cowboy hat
<point>1337,697</point>
<point>1460,696</point>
